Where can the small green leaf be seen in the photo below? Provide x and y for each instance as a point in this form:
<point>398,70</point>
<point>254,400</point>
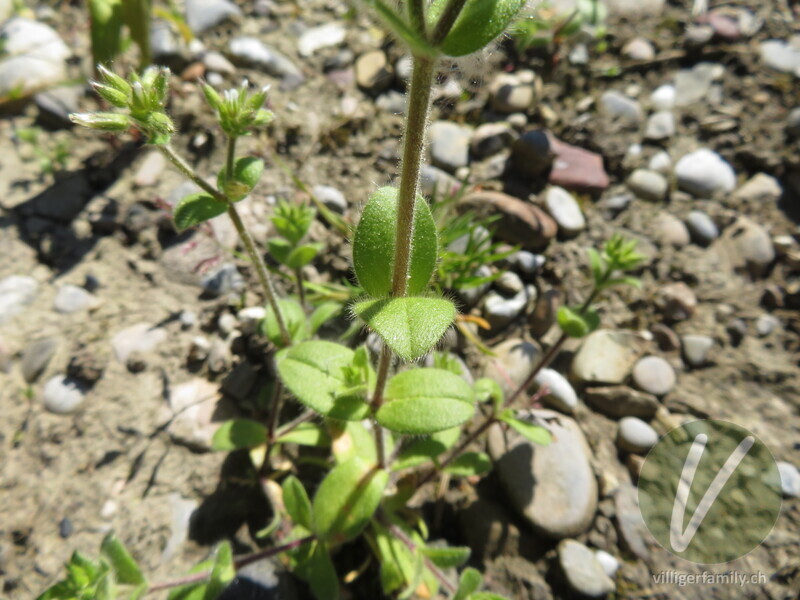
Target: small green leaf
<point>577,324</point>
<point>306,434</point>
<point>296,501</point>
<point>373,245</point>
<point>421,451</point>
<point>238,433</point>
<point>125,568</point>
<point>478,24</point>
<point>488,389</point>
<point>533,433</point>
<point>322,314</point>
<point>409,326</point>
<point>397,563</point>
<point>447,558</point>
<point>195,209</point>
<point>469,464</point>
<point>632,281</point>
<point>422,401</point>
<point>293,257</point>
<point>246,173</point>
<point>468,583</point>
<point>315,373</point>
<point>319,572</point>
<point>346,499</point>
<point>294,318</point>
<point>222,572</point>
<point>597,265</point>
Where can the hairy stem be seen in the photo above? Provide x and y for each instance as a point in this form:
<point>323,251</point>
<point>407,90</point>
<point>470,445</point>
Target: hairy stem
<point>416,15</point>
<point>244,234</point>
<point>238,564</point>
<point>384,363</point>
<point>437,572</point>
<point>446,21</point>
<point>298,274</point>
<point>416,118</point>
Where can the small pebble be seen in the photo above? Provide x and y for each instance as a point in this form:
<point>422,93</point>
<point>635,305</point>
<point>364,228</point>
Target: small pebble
<point>670,230</point>
<point>509,283</point>
<point>373,73</point>
<point>35,358</point>
<point>737,330</point>
<point>663,98</point>
<point>790,479</point>
<point>676,301</point>
<point>609,563</point>
<point>226,323</point>
<point>649,185</point>
<point>330,197</point>
<point>566,211</point>
<point>188,319</point>
<point>704,173</point>
<point>634,435</point>
<point>696,349</point>
<point>766,324</point>
<point>660,162</point>
<point>660,126</point>
<point>639,49</point>
<point>62,395</point>
<point>620,106</point>
<point>654,375</point>
<point>702,228</point>
<point>583,571</point>
<point>65,528</point>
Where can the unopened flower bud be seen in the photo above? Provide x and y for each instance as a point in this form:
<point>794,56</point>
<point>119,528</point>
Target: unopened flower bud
<point>102,121</point>
<point>115,81</point>
<point>111,95</point>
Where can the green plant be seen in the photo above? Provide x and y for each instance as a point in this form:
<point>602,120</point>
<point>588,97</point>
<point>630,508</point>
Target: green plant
<point>52,156</point>
<point>389,431</point>
<point>548,28</point>
<point>107,19</point>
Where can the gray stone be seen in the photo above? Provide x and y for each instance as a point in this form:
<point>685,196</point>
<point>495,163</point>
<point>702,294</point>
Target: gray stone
<point>251,51</point>
<point>552,486</point>
<point>526,262</point>
<point>490,138</point>
<point>639,49</point>
<point>510,95</point>
<point>609,563</point>
<point>565,210</point>
<point>216,62</point>
<point>471,295</point>
<point>373,72</point>
<point>561,396</point>
<point>140,338</point>
<point>648,185</point>
<point>16,292</point>
<point>434,181</point>
<point>461,243</point>
<point>620,106</point>
<point>34,57</point>
<point>62,395</point>
<point>660,126</point>
<point>759,188</point>
<point>663,98</point>
<point>670,230</point>
<point>449,143</point>
<point>330,197</point>
<point>512,363</point>
<point>219,356</point>
<point>693,85</point>
<point>660,162</point>
<point>72,298</point>
<point>790,479</point>
<point>704,173</point>
<point>317,38</point>
<point>509,283</point>
<point>579,55</point>
<point>501,311</point>
<point>654,375</point>
<point>223,281</point>
<point>35,358</point>
<point>703,229</point>
<point>166,46</point>
<point>634,435</point>
<point>766,324</point>
<point>748,247</point>
<point>56,104</point>
<point>605,356</point>
<point>226,323</point>
<point>544,313</point>
<point>632,529</point>
<point>393,102</point>
<point>532,154</point>
<point>793,122</point>
<point>196,412</point>
<point>782,55</point>
<point>635,8</point>
<point>676,301</point>
<point>205,14</point>
<point>696,349</point>
<point>621,401</point>
<point>149,172</point>
<point>583,571</point>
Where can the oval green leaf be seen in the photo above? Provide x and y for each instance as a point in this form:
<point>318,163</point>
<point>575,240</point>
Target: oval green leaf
<point>239,433</point>
<point>478,24</point>
<point>422,401</point>
<point>315,373</point>
<point>409,326</point>
<point>195,209</point>
<point>374,241</point>
<point>296,501</point>
<point>346,500</point>
<point>447,558</point>
<point>294,318</point>
<point>577,324</point>
<point>533,433</point>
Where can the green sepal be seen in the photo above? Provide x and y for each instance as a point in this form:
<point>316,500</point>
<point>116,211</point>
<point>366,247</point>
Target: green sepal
<point>410,326</point>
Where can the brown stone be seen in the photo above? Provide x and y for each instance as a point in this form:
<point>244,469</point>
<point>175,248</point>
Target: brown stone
<point>520,222</point>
